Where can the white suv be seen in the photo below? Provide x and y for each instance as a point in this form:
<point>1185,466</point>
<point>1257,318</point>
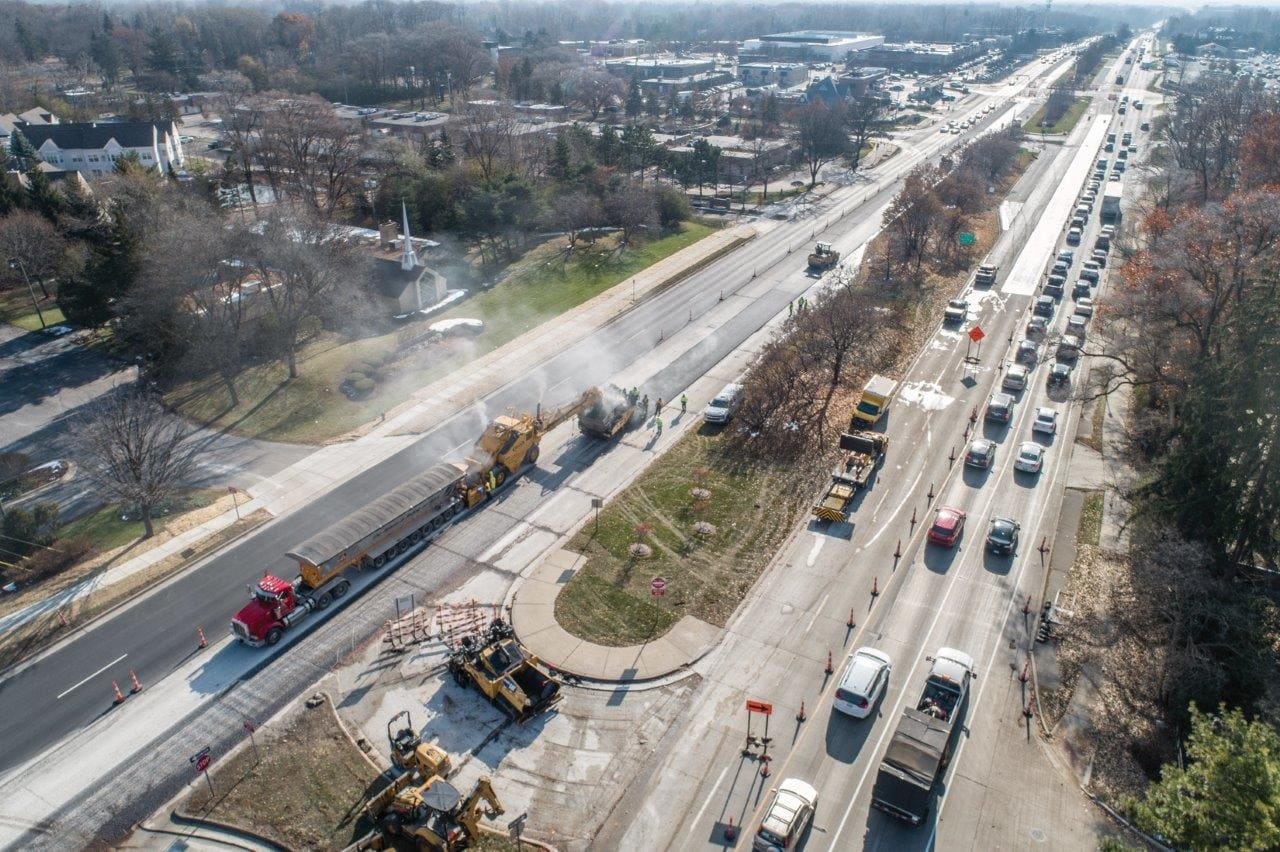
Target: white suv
<point>863,682</point>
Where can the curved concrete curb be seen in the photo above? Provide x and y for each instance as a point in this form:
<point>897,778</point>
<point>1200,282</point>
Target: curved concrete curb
<point>181,817</point>
<point>534,620</point>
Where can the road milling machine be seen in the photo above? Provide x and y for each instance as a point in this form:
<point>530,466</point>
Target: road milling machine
<point>504,671</point>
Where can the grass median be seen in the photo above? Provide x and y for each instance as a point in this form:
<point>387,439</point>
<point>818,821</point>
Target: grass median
<point>1063,125</point>
<point>311,409</point>
<point>710,547</point>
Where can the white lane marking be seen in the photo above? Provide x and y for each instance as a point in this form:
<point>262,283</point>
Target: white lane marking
<point>817,612</point>
<point>715,788</point>
<point>90,677</point>
<point>818,541</point>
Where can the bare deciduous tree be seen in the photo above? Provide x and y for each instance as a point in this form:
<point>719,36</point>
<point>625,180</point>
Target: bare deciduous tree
<point>137,451</point>
<point>819,135</point>
<point>488,136</point>
<point>29,239</point>
<point>301,264</point>
<point>631,208</point>
<point>304,146</point>
<point>576,211</point>
<point>912,219</point>
<point>593,89</point>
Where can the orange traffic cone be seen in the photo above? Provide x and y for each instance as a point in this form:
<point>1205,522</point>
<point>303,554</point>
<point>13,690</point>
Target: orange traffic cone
<point>137,687</point>
<point>119,696</point>
<point>200,633</point>
<point>830,668</point>
<point>800,717</point>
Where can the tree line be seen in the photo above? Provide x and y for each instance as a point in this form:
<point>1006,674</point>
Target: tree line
<point>367,48</point>
<point>1190,330</point>
<point>857,328</point>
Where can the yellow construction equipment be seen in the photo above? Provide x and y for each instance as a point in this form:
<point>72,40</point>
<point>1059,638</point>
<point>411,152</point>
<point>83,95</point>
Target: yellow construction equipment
<point>429,816</point>
<point>410,754</point>
<point>505,672</point>
<point>863,453</point>
<point>823,257</point>
<point>511,442</point>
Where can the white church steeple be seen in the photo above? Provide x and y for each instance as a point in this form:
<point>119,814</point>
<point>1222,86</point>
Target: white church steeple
<point>408,260</point>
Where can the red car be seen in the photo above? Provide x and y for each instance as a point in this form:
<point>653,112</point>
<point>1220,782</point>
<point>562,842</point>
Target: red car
<point>947,527</point>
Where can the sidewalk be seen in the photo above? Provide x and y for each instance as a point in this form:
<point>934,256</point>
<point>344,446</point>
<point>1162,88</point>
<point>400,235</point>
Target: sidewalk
<point>333,464</point>
<point>534,618</point>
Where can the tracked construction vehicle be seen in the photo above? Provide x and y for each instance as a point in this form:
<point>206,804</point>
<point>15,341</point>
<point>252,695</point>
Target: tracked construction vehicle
<point>823,257</point>
<point>505,672</point>
<point>431,815</point>
<point>420,809</point>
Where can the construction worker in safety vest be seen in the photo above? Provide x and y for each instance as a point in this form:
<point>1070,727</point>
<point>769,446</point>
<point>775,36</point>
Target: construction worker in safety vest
<point>684,403</point>
<point>657,421</point>
<point>493,482</point>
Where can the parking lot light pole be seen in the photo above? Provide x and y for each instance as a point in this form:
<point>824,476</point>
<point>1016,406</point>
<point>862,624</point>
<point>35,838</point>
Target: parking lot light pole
<point>15,263</point>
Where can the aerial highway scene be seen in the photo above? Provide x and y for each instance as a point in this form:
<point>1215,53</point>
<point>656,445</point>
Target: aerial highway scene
<point>639,426</point>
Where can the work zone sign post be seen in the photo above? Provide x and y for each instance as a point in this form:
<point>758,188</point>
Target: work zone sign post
<point>201,760</point>
<point>766,710</point>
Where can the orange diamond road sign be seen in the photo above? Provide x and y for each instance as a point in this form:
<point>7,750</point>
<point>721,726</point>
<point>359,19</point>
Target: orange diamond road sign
<point>976,333</point>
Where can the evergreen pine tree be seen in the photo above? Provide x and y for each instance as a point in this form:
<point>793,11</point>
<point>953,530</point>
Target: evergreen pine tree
<point>41,196</point>
<point>635,101</point>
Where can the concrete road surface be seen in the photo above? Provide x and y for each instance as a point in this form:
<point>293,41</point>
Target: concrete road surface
<point>1000,791</point>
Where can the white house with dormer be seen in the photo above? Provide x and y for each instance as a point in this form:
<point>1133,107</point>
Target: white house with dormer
<point>93,147</point>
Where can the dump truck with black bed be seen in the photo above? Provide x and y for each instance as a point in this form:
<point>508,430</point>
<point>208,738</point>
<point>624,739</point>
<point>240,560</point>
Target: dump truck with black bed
<point>921,746</point>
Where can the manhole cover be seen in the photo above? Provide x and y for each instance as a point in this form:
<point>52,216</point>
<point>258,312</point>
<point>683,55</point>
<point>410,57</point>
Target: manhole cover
<point>1038,836</point>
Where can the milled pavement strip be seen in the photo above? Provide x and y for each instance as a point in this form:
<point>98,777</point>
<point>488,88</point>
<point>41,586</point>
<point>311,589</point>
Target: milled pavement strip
<point>331,465</point>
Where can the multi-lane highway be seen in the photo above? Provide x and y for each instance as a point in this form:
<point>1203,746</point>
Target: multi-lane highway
<point>995,794</point>
<point>62,693</point>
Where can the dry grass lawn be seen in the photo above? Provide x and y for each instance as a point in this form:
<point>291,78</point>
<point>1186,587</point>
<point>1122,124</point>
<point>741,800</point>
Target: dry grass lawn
<point>753,506</point>
<point>304,787</point>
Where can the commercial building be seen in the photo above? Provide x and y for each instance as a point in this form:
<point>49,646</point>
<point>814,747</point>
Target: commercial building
<point>809,45</point>
<point>658,67</point>
<point>619,48</point>
<point>664,86</point>
<point>920,58</point>
<point>757,75</point>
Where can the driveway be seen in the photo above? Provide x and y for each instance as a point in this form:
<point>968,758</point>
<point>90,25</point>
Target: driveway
<point>49,381</point>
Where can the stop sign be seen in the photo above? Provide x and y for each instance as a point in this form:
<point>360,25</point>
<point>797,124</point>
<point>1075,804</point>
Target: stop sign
<point>658,587</point>
<point>202,762</point>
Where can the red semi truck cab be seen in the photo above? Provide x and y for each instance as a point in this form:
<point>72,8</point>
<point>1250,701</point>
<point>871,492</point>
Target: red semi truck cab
<point>264,618</point>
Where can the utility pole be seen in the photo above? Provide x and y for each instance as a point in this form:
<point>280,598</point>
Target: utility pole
<point>15,263</point>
